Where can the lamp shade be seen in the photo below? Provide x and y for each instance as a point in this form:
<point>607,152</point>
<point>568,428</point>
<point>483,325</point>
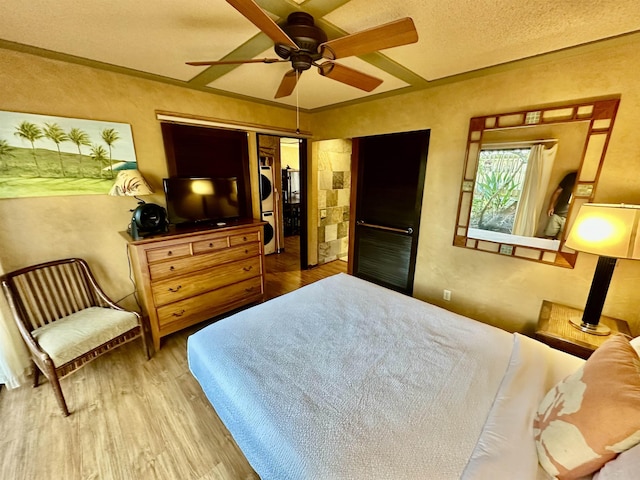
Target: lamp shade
<point>606,230</point>
<point>130,183</point>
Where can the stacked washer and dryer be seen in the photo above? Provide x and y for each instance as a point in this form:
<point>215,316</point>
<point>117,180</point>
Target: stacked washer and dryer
<point>267,196</point>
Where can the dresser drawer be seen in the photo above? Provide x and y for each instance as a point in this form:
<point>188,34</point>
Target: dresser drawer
<point>203,261</point>
<point>207,245</point>
<point>178,250</point>
<point>244,238</point>
<point>179,287</point>
<point>204,306</point>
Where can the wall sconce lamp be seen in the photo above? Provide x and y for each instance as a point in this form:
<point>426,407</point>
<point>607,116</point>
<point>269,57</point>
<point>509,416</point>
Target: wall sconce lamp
<point>611,232</point>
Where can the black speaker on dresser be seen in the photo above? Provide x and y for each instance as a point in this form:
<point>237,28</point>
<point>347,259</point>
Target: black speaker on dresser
<point>148,219</point>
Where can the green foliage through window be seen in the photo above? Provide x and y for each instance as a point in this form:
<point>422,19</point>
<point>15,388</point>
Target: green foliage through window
<point>498,186</point>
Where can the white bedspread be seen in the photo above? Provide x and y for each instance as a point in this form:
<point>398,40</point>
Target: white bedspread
<point>346,380</point>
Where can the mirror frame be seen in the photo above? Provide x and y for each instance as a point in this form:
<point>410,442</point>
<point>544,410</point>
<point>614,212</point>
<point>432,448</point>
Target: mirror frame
<point>599,113</point>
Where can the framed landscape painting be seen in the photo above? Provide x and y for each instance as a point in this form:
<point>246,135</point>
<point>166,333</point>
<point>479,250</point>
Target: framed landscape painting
<point>43,155</point>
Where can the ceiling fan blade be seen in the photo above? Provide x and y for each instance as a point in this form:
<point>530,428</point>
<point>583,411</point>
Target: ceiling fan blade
<point>288,84</point>
<point>264,22</point>
<point>236,62</point>
<point>392,34</point>
<point>349,76</point>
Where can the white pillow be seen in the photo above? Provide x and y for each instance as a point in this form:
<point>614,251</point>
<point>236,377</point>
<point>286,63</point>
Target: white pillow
<point>625,467</point>
<point>635,343</point>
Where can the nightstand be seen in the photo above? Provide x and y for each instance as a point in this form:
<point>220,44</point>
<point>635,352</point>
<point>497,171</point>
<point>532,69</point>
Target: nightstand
<point>555,330</point>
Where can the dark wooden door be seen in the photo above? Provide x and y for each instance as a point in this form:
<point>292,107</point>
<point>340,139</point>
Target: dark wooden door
<point>391,171</point>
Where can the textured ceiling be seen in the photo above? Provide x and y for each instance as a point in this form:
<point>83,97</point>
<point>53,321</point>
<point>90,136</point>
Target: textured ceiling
<point>157,37</point>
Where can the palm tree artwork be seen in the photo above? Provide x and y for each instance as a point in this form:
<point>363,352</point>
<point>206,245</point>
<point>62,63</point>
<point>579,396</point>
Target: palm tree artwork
<point>45,155</point>
<point>100,156</point>
<point>110,136</point>
<point>57,135</point>
<point>80,138</point>
<point>6,151</point>
<point>31,132</point>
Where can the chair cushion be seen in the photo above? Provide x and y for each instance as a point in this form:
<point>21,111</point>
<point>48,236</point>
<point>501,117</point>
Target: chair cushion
<point>81,332</point>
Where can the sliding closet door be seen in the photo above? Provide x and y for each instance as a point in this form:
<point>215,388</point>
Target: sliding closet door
<point>391,172</point>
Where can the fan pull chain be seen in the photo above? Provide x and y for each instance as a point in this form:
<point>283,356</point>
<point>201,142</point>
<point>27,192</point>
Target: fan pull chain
<point>297,103</point>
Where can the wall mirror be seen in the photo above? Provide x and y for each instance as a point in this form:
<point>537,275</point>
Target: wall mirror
<point>515,162</point>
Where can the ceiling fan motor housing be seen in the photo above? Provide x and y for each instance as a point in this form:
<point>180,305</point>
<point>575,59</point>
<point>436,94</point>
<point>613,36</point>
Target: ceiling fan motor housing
<point>307,36</point>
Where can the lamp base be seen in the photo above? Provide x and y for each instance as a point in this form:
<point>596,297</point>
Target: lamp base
<point>599,329</point>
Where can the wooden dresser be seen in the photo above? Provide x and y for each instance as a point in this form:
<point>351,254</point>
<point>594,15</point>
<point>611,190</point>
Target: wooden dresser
<point>187,276</point>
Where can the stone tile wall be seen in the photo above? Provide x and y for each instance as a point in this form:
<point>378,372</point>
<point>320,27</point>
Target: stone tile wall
<point>334,190</point>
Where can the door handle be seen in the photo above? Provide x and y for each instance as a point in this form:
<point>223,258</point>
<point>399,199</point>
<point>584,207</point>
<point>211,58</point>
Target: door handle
<point>407,230</point>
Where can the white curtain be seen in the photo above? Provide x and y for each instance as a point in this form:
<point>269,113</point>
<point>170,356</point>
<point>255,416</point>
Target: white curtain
<point>534,189</point>
<point>14,356</point>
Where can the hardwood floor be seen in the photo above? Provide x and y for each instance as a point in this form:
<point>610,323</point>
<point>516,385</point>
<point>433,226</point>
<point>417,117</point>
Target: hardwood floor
<point>283,272</point>
<point>132,418</point>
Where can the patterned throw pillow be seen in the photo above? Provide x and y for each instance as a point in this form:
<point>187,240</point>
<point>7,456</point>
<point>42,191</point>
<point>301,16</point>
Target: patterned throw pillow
<point>593,414</point>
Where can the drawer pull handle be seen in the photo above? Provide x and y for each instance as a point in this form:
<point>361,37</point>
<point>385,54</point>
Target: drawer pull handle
<point>169,253</point>
<point>248,269</point>
<point>172,268</point>
<point>246,251</point>
<point>174,290</point>
<point>244,239</point>
<point>178,314</point>
<point>210,245</point>
<point>250,289</point>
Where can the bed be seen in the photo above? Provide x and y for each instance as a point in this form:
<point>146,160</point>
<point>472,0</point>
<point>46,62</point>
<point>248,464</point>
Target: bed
<point>344,379</point>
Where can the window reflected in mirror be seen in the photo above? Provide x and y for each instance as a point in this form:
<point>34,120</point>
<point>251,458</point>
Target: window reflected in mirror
<point>497,196</point>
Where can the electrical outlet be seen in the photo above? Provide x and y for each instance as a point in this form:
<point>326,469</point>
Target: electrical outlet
<point>446,295</point>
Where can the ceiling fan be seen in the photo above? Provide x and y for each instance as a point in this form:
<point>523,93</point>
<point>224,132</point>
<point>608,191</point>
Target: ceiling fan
<point>304,44</point>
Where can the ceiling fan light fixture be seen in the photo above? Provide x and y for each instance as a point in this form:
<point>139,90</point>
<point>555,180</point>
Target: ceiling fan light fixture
<point>302,43</point>
<point>301,61</point>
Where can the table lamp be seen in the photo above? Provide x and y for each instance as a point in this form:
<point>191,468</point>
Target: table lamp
<point>611,232</point>
<point>130,183</point>
<point>147,218</point>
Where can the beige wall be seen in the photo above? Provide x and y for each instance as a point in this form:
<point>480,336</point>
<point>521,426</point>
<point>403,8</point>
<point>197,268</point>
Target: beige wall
<point>498,290</point>
<point>40,229</point>
<point>290,155</point>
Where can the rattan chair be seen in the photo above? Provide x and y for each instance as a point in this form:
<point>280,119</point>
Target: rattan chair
<point>66,319</point>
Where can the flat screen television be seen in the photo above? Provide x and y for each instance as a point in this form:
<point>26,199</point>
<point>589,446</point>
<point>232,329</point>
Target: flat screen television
<point>201,200</point>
